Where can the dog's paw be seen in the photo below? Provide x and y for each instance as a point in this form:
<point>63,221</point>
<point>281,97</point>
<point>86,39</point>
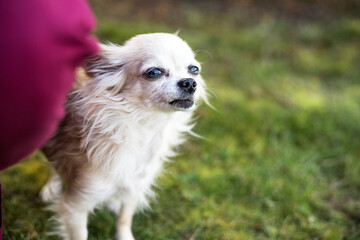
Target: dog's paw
<point>46,194</point>
<point>52,188</point>
<point>125,235</point>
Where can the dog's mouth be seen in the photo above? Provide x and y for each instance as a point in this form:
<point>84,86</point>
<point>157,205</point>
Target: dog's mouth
<point>182,103</point>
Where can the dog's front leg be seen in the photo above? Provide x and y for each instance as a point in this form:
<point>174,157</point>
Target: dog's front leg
<point>124,221</point>
<point>76,224</point>
<point>73,215</point>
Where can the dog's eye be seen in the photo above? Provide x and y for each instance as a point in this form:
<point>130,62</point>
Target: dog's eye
<point>193,69</point>
<point>153,72</point>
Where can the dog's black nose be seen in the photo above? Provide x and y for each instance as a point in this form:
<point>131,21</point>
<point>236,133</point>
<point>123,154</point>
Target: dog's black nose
<point>187,84</point>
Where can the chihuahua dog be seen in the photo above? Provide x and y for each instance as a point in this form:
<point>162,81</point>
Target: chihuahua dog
<point>131,106</point>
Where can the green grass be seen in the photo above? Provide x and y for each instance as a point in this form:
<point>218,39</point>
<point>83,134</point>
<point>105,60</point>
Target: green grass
<point>281,159</point>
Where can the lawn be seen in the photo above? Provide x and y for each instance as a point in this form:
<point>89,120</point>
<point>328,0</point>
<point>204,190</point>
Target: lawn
<point>281,154</point>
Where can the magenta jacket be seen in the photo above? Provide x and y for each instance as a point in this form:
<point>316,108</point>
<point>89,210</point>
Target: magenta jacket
<point>41,44</point>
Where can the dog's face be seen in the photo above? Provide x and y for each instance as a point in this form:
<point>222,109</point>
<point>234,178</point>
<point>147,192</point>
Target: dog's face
<point>155,70</point>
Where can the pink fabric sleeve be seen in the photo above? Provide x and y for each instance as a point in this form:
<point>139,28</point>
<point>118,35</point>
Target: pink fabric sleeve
<point>41,44</point>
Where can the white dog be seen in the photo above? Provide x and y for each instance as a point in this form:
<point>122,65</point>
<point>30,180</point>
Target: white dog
<point>132,105</point>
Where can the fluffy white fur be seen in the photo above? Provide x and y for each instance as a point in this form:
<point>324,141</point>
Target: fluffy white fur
<point>120,127</point>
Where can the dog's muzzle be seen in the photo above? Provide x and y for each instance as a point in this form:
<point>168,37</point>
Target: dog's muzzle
<point>187,85</point>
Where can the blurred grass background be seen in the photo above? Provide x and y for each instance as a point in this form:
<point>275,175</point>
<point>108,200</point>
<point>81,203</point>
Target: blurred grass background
<point>281,159</point>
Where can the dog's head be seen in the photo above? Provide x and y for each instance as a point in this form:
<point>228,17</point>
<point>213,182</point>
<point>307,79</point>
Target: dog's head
<point>158,71</point>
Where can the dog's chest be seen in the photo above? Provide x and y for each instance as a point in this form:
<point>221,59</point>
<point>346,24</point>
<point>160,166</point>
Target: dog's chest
<point>139,156</point>
<point>134,154</point>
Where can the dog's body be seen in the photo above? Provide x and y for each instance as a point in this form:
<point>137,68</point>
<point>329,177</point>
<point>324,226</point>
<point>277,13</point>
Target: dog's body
<point>130,108</point>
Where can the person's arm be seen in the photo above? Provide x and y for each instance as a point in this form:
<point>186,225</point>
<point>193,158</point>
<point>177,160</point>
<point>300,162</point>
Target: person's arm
<point>41,44</point>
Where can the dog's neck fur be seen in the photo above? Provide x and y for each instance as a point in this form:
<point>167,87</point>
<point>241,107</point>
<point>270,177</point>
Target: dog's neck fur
<point>123,126</point>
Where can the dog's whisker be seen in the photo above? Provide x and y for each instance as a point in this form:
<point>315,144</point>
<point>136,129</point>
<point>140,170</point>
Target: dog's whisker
<point>205,51</point>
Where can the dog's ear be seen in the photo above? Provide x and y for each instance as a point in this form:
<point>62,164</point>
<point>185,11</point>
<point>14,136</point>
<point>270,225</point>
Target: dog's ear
<point>101,63</point>
<point>107,68</point>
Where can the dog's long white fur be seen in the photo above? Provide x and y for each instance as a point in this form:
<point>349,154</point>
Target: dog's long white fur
<point>118,131</point>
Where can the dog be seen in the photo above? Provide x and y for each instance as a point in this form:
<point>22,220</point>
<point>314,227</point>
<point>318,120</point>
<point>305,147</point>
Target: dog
<point>131,105</point>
